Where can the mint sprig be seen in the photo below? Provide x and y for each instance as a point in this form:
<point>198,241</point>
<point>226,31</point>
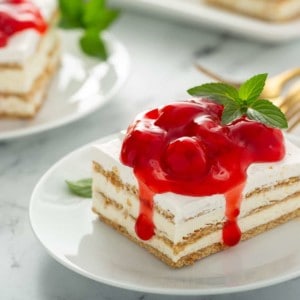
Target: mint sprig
<point>82,187</point>
<point>244,101</point>
<point>93,16</point>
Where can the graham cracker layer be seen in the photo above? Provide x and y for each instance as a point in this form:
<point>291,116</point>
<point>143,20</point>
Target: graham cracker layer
<point>197,234</point>
<point>114,178</point>
<point>264,14</point>
<point>39,80</point>
<point>214,248</point>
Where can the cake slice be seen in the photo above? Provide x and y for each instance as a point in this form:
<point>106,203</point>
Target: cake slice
<point>29,55</point>
<point>184,186</point>
<point>269,10</point>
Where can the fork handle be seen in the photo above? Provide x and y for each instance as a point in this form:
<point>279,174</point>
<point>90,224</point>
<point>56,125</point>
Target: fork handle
<point>215,76</point>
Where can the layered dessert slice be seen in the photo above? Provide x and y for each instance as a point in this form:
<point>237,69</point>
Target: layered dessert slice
<point>269,10</point>
<point>183,185</point>
<point>29,54</point>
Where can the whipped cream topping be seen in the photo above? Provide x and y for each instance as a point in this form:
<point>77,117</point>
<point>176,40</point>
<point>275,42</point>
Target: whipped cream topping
<point>23,44</point>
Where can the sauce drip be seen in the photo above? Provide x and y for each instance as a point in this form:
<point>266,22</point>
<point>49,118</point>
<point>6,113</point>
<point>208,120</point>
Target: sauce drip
<point>19,15</point>
<point>183,148</point>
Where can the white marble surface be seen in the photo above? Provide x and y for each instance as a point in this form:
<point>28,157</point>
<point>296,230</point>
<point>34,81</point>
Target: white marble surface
<point>163,55</point>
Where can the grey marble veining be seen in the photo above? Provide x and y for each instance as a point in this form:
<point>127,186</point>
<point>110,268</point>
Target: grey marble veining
<point>163,56</point>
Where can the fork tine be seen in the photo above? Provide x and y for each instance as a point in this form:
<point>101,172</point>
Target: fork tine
<point>295,121</point>
<point>290,105</point>
<point>279,101</point>
<point>276,83</point>
<point>292,96</point>
<point>292,111</point>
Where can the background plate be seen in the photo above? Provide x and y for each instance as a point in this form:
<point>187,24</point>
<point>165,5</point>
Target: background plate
<point>195,11</point>
<point>74,236</point>
<point>81,86</point>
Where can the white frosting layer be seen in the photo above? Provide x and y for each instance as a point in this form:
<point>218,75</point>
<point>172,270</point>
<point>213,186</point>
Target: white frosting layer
<point>15,106</point>
<point>176,231</point>
<point>272,213</point>
<point>185,207</point>
<point>31,69</point>
<point>23,44</point>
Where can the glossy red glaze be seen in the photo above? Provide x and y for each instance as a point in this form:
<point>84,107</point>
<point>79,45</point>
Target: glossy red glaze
<point>19,15</point>
<point>144,225</point>
<point>183,148</point>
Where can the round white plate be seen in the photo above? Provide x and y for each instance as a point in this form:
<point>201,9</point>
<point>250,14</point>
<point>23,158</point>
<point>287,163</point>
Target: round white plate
<point>74,236</point>
<point>81,86</point>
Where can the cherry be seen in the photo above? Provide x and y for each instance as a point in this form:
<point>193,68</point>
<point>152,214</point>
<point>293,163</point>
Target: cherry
<point>139,145</point>
<point>177,115</point>
<point>185,158</point>
<point>263,143</point>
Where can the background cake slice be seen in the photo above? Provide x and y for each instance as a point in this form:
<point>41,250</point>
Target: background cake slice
<point>28,60</point>
<point>270,10</point>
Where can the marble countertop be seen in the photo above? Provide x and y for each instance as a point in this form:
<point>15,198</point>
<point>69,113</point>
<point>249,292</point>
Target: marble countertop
<point>163,56</point>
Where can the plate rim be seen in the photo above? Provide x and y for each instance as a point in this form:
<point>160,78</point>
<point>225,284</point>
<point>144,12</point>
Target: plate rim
<point>130,286</point>
<point>23,132</point>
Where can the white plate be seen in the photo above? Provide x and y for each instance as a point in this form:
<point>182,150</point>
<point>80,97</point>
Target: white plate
<point>81,86</point>
<point>74,236</point>
<point>197,12</point>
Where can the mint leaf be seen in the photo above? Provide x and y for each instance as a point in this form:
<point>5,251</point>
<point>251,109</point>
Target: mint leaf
<point>220,92</point>
<point>231,112</point>
<point>96,15</point>
<point>95,5</point>
<point>93,16</point>
<point>71,13</point>
<point>253,87</point>
<point>82,188</point>
<point>266,112</point>
<point>92,44</point>
<point>243,102</point>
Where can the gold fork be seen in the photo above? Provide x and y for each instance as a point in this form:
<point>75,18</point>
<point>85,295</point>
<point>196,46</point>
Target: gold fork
<point>289,104</point>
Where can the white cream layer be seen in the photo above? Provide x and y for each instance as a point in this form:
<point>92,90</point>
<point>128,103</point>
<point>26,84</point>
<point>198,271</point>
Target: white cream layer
<point>185,207</point>
<point>246,223</point>
<point>16,106</point>
<point>267,9</point>
<point>24,44</point>
<point>32,68</point>
<point>176,230</point>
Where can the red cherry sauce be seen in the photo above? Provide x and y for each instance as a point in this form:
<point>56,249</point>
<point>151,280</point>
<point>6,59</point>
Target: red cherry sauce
<point>183,148</point>
<point>19,15</point>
